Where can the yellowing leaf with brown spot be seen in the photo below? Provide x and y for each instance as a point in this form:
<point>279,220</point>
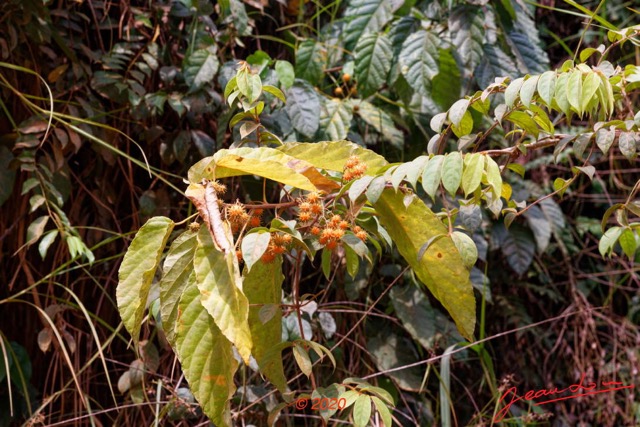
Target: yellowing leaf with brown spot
<point>441,268</point>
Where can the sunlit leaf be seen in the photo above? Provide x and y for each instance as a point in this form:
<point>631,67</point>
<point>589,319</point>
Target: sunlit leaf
<point>177,276</point>
<point>138,269</point>
<point>206,357</point>
<point>441,268</point>
<point>218,279</point>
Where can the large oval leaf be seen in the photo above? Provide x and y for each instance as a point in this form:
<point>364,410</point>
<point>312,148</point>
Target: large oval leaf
<point>364,16</point>
<point>266,162</point>
<point>441,268</point>
<point>263,288</point>
<point>177,276</point>
<point>206,357</point>
<point>219,281</point>
<point>137,270</point>
<point>332,155</point>
<point>419,60</point>
<point>335,119</point>
<point>302,107</point>
<point>373,61</point>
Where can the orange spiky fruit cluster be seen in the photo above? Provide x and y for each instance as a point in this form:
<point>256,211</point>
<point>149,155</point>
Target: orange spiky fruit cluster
<point>360,233</point>
<point>219,187</point>
<point>333,232</point>
<point>310,207</point>
<point>254,220</point>
<point>237,215</point>
<point>277,246</point>
<point>353,169</point>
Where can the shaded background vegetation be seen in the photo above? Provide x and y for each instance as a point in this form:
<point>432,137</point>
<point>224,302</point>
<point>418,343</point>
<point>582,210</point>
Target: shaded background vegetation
<point>134,77</point>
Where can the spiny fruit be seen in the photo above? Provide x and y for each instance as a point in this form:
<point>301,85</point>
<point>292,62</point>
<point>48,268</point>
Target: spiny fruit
<point>360,233</point>
<point>237,214</point>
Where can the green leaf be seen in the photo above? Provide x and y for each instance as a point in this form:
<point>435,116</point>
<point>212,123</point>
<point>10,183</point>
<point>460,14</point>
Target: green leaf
<point>419,60</point>
<point>457,111</point>
<point>467,31</point>
<point>425,324</point>
<point>335,119</point>
<point>608,240</point>
<point>138,269</point>
<point>446,86</point>
<point>518,247</point>
<point>372,56</point>
<point>7,175</point>
<point>46,242</point>
<point>177,276</point>
<point>383,411</point>
<point>275,92</point>
<point>206,357</point>
<point>249,84</point>
<point>540,225</point>
<point>524,121</point>
<point>302,359</point>
<point>218,279</point>
<point>589,88</point>
<point>512,91</point>
<point>432,175</point>
<point>263,287</point>
<point>627,144</point>
<point>452,172</point>
<point>36,229</point>
<point>380,120</point>
<point>441,268</point>
<point>495,63</point>
<point>528,90</point>
<point>286,74</point>
<point>546,86</point>
<point>560,97</point>
<point>302,108</point>
<point>574,90</point>
<point>254,245</point>
<point>472,174</point>
<point>466,125</point>
<point>605,138</point>
<point>200,68</point>
<point>466,247</point>
<point>494,178</point>
<point>362,410</point>
<point>311,57</point>
<point>627,242</point>
<point>363,16</point>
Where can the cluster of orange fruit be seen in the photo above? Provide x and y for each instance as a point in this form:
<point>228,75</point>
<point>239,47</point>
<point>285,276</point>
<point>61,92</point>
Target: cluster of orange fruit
<point>310,207</point>
<point>334,231</point>
<point>237,216</point>
<point>278,245</point>
<point>353,169</point>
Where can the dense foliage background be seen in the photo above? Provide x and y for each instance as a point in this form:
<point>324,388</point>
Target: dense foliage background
<point>138,97</point>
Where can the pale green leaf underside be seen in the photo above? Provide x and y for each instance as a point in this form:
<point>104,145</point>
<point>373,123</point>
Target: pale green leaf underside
<point>219,281</point>
<point>137,270</point>
<point>177,276</point>
<point>441,268</point>
<point>206,357</point>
